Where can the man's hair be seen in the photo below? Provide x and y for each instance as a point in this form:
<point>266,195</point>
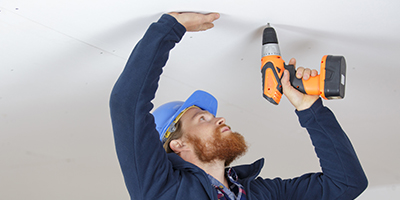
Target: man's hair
<point>178,133</point>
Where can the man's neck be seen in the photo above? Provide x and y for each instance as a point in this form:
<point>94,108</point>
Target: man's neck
<point>216,169</point>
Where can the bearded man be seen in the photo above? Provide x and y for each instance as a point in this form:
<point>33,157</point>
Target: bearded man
<point>199,147</point>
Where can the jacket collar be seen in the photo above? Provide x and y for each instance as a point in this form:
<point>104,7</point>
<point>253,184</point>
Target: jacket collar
<point>249,171</point>
<point>243,171</point>
<point>246,173</point>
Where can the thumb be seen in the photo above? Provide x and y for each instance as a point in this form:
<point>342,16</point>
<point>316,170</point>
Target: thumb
<point>285,80</point>
<point>290,92</point>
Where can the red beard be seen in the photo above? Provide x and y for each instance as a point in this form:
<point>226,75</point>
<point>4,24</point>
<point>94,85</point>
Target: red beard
<point>226,148</point>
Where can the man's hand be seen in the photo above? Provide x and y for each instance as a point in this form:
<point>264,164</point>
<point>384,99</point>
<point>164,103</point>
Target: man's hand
<point>299,100</point>
<point>195,21</point>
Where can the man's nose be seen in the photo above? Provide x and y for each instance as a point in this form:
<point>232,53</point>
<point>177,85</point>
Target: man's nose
<point>220,120</point>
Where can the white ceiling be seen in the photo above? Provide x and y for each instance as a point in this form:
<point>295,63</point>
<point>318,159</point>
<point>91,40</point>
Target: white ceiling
<point>60,59</point>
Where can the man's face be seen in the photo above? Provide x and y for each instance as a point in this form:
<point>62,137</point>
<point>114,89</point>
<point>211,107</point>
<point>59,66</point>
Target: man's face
<point>210,137</point>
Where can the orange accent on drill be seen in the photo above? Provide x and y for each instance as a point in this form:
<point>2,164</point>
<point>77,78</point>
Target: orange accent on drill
<point>330,83</point>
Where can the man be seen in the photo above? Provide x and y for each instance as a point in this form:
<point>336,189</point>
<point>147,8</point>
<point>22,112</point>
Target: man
<point>200,146</point>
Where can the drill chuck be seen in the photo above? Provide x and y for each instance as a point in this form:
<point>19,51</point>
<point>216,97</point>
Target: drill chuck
<point>269,36</point>
<point>270,43</point>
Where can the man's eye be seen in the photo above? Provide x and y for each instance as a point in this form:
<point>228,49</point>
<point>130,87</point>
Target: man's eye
<point>202,118</point>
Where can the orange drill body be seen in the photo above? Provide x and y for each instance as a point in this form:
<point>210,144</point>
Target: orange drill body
<point>272,85</point>
<point>329,84</point>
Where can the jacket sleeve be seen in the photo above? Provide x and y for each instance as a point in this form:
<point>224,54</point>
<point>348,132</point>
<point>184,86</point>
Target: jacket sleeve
<point>142,159</point>
<point>342,176</point>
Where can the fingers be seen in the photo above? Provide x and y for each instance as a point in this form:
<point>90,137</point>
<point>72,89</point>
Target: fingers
<point>314,73</point>
<point>304,73</point>
<point>205,21</point>
<point>209,18</point>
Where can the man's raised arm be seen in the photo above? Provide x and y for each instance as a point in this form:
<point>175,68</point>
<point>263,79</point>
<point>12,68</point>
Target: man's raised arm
<point>139,150</point>
<point>342,176</point>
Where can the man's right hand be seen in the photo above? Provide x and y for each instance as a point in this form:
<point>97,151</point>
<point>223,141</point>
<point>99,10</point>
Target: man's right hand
<point>194,22</point>
<point>299,100</point>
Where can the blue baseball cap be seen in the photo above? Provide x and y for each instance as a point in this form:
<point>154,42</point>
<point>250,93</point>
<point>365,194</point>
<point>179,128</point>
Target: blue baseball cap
<point>168,114</point>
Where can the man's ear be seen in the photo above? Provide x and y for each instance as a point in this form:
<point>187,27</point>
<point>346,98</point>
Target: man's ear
<point>177,146</point>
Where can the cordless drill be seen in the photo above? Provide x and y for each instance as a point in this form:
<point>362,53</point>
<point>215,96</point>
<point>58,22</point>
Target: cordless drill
<point>329,84</point>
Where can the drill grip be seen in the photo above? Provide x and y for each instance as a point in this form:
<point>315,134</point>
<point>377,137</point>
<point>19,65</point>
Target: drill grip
<point>295,82</point>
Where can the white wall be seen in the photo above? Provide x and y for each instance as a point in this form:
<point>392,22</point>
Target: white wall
<point>389,192</point>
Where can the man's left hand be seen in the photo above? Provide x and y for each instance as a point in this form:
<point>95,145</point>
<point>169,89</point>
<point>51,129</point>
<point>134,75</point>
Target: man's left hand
<point>194,22</point>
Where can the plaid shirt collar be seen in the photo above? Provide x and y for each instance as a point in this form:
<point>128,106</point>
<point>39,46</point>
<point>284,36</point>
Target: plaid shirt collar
<point>235,191</point>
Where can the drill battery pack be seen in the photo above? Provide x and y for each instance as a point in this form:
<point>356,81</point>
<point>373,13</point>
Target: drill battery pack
<point>335,77</point>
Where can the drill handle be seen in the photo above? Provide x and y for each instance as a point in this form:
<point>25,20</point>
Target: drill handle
<point>295,82</point>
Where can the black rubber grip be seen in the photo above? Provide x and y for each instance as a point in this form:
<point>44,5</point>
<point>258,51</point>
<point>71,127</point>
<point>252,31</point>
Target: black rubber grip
<point>296,82</point>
